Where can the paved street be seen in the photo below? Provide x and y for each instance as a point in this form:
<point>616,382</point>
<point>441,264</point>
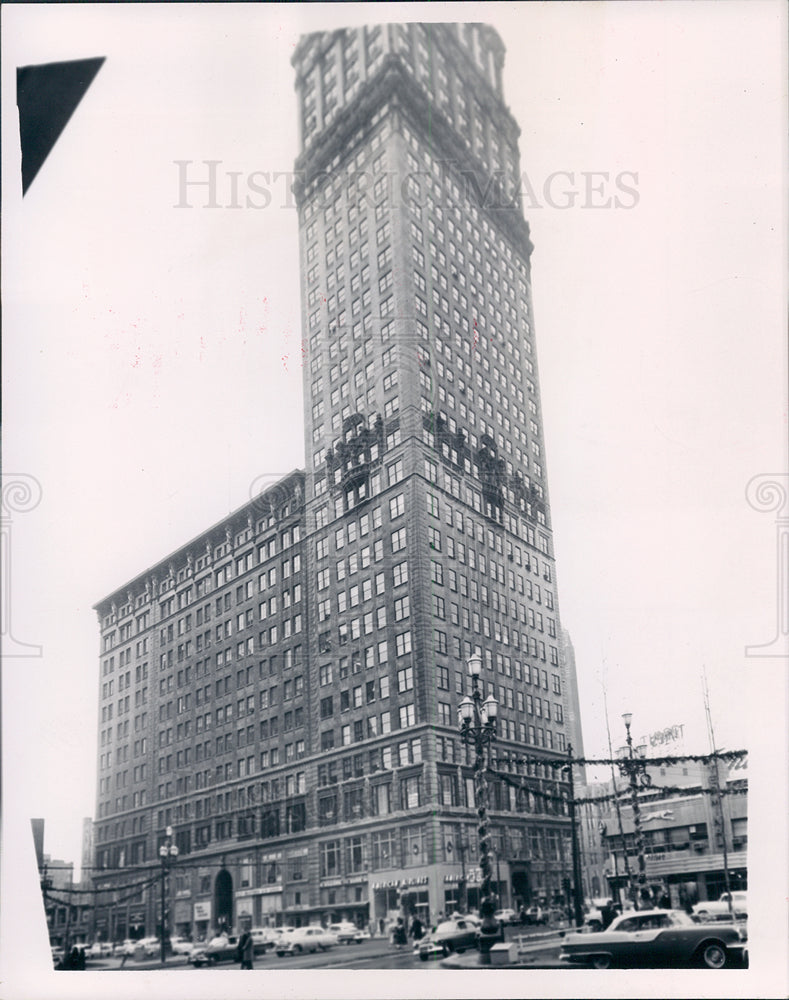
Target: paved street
<point>539,950</point>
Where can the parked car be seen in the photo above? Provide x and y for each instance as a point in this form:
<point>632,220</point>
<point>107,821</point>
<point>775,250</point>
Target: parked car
<point>348,933</point>
<point>264,938</point>
<point>506,916</point>
<point>720,907</point>
<point>181,946</point>
<point>152,946</point>
<point>299,939</point>
<point>125,947</point>
<point>221,948</point>
<point>283,937</point>
<point>656,938</point>
<point>457,935</point>
<point>100,949</point>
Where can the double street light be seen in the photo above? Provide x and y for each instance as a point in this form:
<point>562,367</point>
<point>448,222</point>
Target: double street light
<point>168,852</point>
<point>635,768</point>
<point>477,719</point>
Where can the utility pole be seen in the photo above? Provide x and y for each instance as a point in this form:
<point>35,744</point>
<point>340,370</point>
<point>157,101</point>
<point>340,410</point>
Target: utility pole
<point>716,789</point>
<point>617,807</point>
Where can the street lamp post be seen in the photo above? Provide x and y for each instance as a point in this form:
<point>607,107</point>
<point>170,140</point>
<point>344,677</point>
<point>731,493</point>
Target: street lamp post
<point>477,720</point>
<point>168,852</point>
<point>635,768</point>
<point>577,888</point>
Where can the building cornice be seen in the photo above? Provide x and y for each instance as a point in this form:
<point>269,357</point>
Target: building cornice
<point>244,516</point>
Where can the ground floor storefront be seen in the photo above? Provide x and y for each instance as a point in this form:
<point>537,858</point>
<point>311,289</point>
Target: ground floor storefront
<point>682,881</point>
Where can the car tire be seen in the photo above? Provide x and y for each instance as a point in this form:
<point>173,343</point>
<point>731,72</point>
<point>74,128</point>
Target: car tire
<point>445,949</point>
<point>600,961</point>
<point>713,955</point>
<point>423,956</point>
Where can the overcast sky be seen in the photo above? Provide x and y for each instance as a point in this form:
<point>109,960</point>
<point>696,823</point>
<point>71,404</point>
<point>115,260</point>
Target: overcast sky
<point>152,353</point>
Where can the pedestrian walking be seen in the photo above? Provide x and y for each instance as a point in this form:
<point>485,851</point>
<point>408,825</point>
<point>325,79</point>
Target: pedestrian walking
<point>246,950</point>
<point>400,939</point>
<point>417,930</point>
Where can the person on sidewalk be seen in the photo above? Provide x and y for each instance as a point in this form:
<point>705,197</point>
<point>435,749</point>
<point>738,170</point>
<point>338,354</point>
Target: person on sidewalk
<point>246,950</point>
<point>400,939</point>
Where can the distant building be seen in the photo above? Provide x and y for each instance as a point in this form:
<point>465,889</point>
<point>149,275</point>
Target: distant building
<point>282,691</point>
<point>86,862</point>
<point>570,680</point>
<point>684,834</point>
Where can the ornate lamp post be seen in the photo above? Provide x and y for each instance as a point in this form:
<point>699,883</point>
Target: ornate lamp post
<point>168,852</point>
<point>635,769</point>
<point>477,720</point>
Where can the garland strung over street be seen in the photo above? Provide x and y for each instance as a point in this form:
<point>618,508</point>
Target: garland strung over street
<point>137,887</point>
<point>650,792</point>
<point>727,756</point>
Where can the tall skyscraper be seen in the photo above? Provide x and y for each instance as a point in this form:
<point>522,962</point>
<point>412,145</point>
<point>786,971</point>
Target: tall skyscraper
<point>429,532</point>
<point>307,655</point>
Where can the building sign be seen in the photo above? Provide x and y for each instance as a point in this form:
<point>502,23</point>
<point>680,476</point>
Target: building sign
<point>401,883</point>
<point>738,771</point>
<point>244,908</point>
<point>473,876</point>
<point>671,734</point>
<point>203,910</point>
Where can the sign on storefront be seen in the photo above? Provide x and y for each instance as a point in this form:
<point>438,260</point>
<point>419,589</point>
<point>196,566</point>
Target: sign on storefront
<point>401,883</point>
<point>203,910</point>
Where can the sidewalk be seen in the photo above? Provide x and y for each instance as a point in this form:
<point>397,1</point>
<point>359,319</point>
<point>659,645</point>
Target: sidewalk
<point>113,964</point>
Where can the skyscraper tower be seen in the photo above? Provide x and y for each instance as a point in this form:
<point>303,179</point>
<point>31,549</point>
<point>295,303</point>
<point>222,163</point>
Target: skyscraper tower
<point>428,527</point>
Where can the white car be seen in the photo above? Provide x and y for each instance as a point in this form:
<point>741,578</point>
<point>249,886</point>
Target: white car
<point>151,946</point>
<point>716,908</point>
<point>181,946</point>
<point>301,939</point>
<point>265,937</point>
<point>506,916</point>
<point>348,933</point>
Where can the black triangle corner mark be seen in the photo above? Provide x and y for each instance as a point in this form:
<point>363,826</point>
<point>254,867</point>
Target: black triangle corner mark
<point>47,96</point>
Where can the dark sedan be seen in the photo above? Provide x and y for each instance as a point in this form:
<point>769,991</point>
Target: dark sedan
<point>655,938</point>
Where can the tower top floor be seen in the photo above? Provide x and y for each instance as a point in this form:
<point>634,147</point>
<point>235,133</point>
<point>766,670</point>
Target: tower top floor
<point>457,67</point>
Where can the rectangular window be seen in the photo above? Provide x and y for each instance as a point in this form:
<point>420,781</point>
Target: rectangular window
<point>407,716</point>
